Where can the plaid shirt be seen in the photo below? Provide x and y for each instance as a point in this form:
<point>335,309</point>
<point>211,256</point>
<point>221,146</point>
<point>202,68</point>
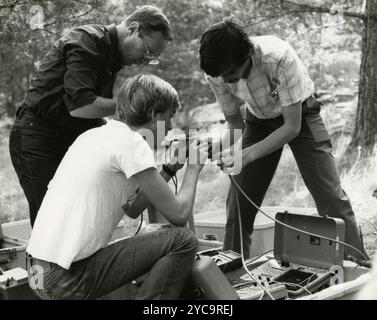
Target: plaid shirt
<point>278,78</point>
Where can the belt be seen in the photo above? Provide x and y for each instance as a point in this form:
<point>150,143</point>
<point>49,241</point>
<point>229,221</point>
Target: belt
<point>27,114</point>
<point>309,105</point>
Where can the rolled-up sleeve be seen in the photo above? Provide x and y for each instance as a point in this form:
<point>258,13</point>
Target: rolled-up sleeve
<point>81,76</point>
<point>294,83</point>
<point>228,103</point>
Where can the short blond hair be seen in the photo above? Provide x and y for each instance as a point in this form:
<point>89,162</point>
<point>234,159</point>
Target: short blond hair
<point>142,94</point>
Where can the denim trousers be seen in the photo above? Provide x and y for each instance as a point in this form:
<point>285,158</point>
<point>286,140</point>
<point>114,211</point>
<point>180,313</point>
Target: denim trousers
<point>312,151</point>
<point>36,149</point>
<point>166,257</point>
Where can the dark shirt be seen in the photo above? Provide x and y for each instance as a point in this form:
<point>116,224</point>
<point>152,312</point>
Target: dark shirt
<point>79,67</point>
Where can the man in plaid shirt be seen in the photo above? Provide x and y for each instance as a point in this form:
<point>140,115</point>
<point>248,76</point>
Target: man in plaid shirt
<point>265,74</point>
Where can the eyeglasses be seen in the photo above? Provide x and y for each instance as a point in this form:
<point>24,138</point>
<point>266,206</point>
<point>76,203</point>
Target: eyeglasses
<point>148,56</point>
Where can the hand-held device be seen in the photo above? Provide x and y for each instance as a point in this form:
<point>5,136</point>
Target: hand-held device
<point>188,140</point>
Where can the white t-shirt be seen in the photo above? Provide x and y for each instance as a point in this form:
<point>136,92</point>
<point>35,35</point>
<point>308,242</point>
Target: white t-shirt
<point>82,206</point>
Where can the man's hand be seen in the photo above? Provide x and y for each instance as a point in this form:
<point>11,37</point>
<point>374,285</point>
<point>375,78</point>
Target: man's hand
<point>231,161</point>
<point>177,158</point>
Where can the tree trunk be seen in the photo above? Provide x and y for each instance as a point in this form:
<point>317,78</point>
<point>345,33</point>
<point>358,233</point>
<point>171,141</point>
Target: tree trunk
<point>365,130</point>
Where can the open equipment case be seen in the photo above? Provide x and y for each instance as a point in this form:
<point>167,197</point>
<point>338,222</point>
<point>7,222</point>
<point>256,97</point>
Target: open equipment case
<point>305,263</point>
<point>301,264</point>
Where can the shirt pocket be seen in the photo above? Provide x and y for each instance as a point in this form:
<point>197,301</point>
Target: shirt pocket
<point>273,98</point>
<point>273,104</point>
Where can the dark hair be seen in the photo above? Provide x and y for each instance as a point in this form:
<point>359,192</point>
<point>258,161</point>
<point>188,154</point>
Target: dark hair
<point>151,19</point>
<point>224,44</point>
<point>142,94</point>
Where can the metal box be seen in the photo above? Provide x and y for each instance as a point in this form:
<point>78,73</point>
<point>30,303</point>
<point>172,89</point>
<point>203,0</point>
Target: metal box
<point>213,222</point>
<point>297,247</point>
<point>12,253</point>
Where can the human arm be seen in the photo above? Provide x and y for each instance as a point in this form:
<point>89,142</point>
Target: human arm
<point>278,138</point>
<point>293,87</point>
<point>83,76</point>
<point>141,202</point>
<point>231,135</point>
<point>176,209</point>
<point>100,107</point>
<point>135,159</point>
<point>230,106</point>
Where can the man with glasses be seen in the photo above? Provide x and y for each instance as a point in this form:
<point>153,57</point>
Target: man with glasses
<point>266,74</point>
<point>72,90</point>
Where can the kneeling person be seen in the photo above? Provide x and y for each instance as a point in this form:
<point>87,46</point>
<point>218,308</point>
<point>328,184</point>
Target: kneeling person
<point>105,168</point>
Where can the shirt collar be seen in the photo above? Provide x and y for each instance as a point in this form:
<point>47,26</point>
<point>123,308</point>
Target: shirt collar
<point>114,58</point>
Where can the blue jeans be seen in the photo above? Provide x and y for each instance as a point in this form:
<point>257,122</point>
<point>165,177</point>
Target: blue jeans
<point>167,254</point>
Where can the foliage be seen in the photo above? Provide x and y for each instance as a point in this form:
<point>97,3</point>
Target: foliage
<point>28,29</point>
<point>321,40</point>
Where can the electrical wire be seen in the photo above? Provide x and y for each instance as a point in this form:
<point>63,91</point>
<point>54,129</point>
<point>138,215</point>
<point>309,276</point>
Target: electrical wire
<point>287,283</point>
<point>289,226</point>
<point>175,182</point>
<point>140,224</point>
<point>293,284</point>
<point>259,256</point>
<point>250,262</point>
<point>308,280</point>
<point>264,290</point>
